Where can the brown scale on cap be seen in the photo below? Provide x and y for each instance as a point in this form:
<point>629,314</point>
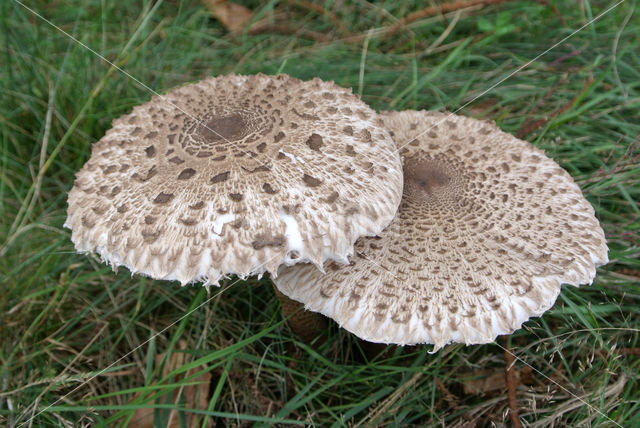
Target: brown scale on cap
<point>239,175</point>
<point>487,231</point>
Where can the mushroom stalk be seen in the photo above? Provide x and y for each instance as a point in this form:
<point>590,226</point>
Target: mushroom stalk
<point>307,325</point>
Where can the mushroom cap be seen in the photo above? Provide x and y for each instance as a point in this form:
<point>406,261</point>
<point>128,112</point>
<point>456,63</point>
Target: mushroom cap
<point>236,175</point>
<point>487,231</point>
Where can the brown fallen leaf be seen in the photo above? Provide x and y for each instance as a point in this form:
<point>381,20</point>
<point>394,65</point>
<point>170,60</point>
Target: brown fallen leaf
<point>194,396</point>
<point>482,382</point>
<point>483,108</point>
<point>233,16</point>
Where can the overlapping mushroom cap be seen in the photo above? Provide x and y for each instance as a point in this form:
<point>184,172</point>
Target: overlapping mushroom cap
<point>487,231</point>
<point>236,175</point>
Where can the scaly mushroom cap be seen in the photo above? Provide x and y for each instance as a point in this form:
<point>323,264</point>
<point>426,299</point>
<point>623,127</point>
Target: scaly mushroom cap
<point>236,175</point>
<point>487,231</point>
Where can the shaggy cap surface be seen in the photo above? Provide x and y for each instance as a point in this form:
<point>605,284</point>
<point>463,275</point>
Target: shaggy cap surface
<point>236,175</point>
<point>487,231</point>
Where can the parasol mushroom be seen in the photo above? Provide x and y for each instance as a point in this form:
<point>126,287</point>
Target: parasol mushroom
<point>236,175</point>
<point>487,231</point>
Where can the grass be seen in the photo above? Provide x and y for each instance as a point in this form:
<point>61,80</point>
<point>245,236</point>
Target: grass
<point>65,317</point>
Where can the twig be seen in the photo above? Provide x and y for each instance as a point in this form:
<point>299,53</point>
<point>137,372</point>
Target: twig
<point>629,272</point>
<point>556,62</point>
<point>555,11</point>
<point>524,129</point>
<point>512,382</point>
<point>437,10</point>
<point>628,155</point>
<point>291,365</point>
<point>528,128</point>
<point>619,351</point>
<point>629,351</point>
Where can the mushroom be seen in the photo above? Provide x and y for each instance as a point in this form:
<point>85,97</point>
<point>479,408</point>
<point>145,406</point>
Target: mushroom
<point>236,175</point>
<point>487,231</point>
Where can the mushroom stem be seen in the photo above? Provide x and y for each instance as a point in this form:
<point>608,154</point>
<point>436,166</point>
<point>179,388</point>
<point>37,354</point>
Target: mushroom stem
<point>307,325</point>
<point>372,350</point>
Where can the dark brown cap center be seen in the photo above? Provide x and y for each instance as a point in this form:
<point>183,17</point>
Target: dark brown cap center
<point>226,128</point>
<point>434,181</point>
<point>426,175</point>
<point>429,179</point>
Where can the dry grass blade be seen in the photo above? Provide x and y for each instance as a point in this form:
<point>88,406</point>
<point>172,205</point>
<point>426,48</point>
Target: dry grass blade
<point>512,382</point>
<point>195,395</point>
<point>573,403</point>
<point>385,405</point>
